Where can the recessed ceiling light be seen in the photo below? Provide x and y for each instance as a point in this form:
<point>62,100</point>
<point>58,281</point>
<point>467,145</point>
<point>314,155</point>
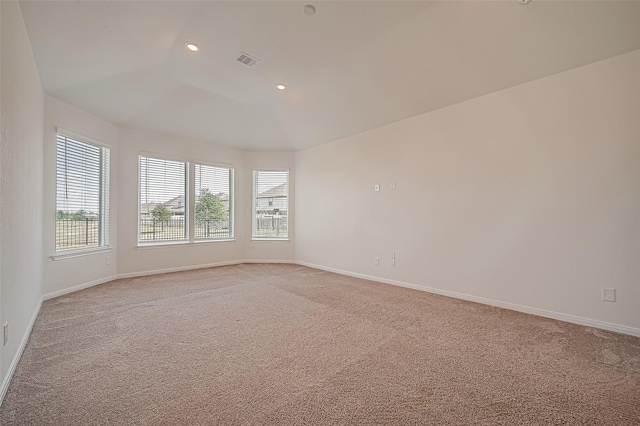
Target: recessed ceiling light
<point>281,87</point>
<point>309,9</point>
<point>523,1</point>
<point>191,46</point>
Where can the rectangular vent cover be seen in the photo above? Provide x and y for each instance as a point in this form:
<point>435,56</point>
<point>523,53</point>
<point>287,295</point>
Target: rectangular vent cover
<point>247,60</point>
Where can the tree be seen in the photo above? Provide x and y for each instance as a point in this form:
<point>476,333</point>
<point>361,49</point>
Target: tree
<point>79,215</point>
<point>210,207</point>
<point>161,213</point>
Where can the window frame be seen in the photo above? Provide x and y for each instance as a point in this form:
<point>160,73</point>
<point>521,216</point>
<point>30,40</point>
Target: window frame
<point>232,197</point>
<point>254,197</point>
<point>104,195</point>
<point>187,202</point>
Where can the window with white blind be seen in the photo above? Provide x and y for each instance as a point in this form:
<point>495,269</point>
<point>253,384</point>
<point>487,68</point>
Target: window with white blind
<point>163,205</point>
<point>213,203</point>
<point>270,204</point>
<point>82,194</point>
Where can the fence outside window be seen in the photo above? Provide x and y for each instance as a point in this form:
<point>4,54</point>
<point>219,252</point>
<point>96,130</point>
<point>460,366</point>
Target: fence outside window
<point>271,226</point>
<point>77,234</point>
<point>152,229</point>
<point>211,229</point>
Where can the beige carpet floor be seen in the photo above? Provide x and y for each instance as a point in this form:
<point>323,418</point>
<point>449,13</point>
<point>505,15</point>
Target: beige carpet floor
<point>289,345</point>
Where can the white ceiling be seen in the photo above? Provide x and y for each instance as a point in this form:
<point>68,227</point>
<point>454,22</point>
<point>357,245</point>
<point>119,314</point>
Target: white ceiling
<point>351,67</point>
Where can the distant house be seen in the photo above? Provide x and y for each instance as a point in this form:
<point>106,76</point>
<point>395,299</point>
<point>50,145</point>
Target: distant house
<point>273,201</point>
<point>147,208</point>
<point>175,206</point>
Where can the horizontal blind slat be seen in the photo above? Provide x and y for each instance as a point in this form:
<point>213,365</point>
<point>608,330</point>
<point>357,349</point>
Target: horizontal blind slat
<point>214,202</point>
<point>81,194</point>
<point>163,200</point>
<point>270,204</point>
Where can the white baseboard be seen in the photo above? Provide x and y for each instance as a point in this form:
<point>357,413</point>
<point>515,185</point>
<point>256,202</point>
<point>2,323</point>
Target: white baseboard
<point>178,269</point>
<point>267,261</point>
<point>18,354</point>
<point>202,266</point>
<point>506,305</point>
<point>78,287</point>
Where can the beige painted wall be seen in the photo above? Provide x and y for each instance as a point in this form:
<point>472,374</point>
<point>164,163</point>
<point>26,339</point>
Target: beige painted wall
<point>20,184</point>
<point>62,274</point>
<point>528,197</point>
<point>256,250</point>
<point>133,259</point>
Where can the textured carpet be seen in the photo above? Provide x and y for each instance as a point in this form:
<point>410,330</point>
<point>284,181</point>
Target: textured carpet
<point>285,344</point>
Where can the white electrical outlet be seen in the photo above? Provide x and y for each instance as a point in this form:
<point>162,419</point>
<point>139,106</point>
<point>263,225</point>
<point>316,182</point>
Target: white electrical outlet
<point>5,333</point>
<point>108,260</point>
<point>376,261</point>
<point>609,294</point>
<point>393,263</point>
<point>376,187</point>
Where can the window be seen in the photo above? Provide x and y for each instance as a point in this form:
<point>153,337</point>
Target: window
<point>163,200</point>
<point>270,204</point>
<point>214,202</point>
<point>82,194</point>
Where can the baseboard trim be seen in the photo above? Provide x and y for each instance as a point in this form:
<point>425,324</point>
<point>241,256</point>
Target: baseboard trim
<point>78,287</point>
<point>178,269</point>
<point>268,261</point>
<point>491,302</point>
<point>14,363</point>
<point>506,305</point>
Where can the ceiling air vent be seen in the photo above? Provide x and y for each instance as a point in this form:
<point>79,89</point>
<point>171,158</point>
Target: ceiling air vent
<point>247,60</point>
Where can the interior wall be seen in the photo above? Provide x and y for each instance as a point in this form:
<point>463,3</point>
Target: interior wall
<point>274,250</point>
<point>21,184</point>
<point>62,274</point>
<point>134,260</point>
<point>529,196</point>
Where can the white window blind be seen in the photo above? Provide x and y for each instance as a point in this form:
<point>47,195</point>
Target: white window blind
<point>214,202</point>
<point>163,200</point>
<point>82,194</point>
<point>270,204</point>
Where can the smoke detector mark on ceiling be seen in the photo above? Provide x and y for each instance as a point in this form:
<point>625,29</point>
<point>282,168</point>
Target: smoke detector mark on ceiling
<point>248,60</point>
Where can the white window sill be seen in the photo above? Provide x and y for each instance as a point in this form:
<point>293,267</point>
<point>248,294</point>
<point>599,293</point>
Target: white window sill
<point>204,241</point>
<point>79,253</point>
<point>180,243</point>
<point>270,239</point>
<point>153,245</point>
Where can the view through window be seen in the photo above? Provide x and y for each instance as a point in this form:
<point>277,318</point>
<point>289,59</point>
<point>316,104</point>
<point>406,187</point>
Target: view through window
<point>270,204</point>
<point>214,202</point>
<point>163,200</point>
<point>82,194</point>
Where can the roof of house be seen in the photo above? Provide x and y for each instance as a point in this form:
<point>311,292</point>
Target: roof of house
<point>279,191</point>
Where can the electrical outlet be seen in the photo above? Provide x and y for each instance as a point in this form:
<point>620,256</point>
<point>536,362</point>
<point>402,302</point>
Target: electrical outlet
<point>5,333</point>
<point>393,263</point>
<point>376,261</point>
<point>108,260</point>
<point>609,294</point>
<point>376,187</point>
